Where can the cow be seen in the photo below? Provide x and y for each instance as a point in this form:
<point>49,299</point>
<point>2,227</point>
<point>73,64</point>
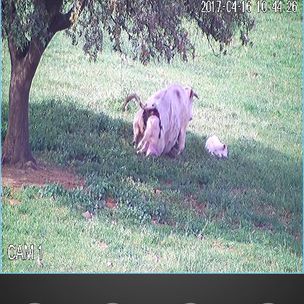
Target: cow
<point>173,106</point>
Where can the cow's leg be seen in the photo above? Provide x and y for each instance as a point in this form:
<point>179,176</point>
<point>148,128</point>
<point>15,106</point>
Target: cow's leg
<point>143,144</point>
<point>142,141</point>
<point>181,142</point>
<point>144,147</point>
<point>135,135</point>
<point>140,145</point>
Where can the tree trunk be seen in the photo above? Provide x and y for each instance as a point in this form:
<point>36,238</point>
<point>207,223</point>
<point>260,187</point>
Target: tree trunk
<point>16,147</point>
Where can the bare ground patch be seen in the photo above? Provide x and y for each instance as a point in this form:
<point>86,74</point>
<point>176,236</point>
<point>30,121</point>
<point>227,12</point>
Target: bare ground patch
<point>45,174</point>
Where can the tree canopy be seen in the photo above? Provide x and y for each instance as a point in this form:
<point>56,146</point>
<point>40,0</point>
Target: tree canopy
<point>154,28</point>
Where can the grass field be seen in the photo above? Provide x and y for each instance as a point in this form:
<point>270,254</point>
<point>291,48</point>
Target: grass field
<point>188,214</point>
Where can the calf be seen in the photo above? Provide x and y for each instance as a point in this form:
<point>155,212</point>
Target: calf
<point>150,140</point>
<point>215,147</point>
<point>138,121</point>
<point>141,117</point>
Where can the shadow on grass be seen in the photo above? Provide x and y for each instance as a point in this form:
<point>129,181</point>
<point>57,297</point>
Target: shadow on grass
<point>257,188</point>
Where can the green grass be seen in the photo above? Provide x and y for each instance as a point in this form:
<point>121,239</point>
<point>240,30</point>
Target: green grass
<point>189,214</point>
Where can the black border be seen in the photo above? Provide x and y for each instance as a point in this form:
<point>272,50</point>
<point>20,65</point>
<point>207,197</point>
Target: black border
<point>152,288</point>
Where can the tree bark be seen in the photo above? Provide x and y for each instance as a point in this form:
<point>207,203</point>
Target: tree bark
<point>16,147</point>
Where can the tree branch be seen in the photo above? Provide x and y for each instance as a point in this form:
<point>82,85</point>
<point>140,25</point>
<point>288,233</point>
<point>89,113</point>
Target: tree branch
<point>15,52</point>
<point>59,22</point>
<point>63,21</point>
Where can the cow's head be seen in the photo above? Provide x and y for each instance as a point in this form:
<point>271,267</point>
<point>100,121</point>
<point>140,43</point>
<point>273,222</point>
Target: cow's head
<point>190,95</point>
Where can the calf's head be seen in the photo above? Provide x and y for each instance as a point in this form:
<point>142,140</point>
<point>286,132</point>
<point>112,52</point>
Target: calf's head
<point>222,152</point>
<point>152,112</point>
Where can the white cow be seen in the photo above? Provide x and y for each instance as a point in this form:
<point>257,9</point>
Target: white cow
<point>174,110</point>
<point>174,105</point>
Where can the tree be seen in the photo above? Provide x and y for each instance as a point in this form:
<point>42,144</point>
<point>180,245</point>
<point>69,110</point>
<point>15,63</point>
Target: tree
<point>151,28</point>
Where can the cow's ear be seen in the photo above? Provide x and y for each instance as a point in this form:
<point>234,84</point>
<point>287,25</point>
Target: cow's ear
<point>193,94</point>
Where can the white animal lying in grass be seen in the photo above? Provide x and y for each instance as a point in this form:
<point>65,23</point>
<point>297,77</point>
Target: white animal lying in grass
<point>215,147</point>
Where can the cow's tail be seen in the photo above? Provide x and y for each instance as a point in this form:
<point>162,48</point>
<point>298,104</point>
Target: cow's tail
<point>130,97</point>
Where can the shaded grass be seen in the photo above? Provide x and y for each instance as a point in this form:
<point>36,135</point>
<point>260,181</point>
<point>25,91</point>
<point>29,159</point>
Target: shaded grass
<point>189,214</point>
